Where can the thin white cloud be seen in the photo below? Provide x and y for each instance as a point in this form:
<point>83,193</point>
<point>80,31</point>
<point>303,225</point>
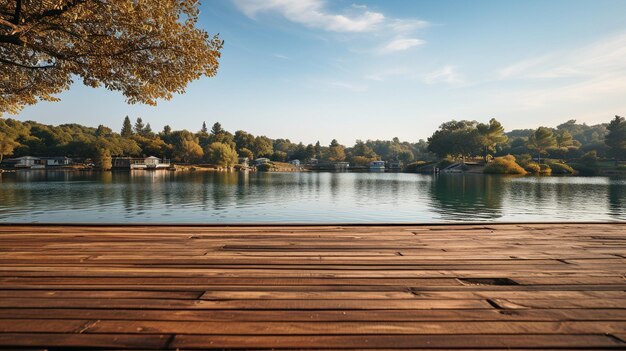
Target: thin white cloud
<point>401,44</point>
<point>604,57</point>
<point>312,13</point>
<point>398,32</point>
<point>447,74</point>
<point>282,57</point>
<point>407,25</point>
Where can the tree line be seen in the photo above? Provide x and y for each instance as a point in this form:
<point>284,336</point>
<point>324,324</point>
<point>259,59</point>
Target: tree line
<point>453,140</point>
<point>460,139</point>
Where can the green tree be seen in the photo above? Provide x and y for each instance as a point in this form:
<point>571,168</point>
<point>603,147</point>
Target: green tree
<point>263,146</point>
<point>147,131</point>
<point>490,136</point>
<point>217,129</point>
<point>148,50</point>
<point>139,126</point>
<point>246,153</point>
<point>318,150</point>
<point>221,154</point>
<point>541,140</point>
<point>127,128</point>
<point>456,139</point>
<point>204,129</point>
<point>615,139</point>
<point>564,138</point>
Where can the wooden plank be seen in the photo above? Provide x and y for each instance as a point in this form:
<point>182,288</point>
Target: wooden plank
<point>317,315</point>
<point>354,328</point>
<point>489,286</point>
<point>245,304</point>
<point>56,340</point>
<point>399,341</point>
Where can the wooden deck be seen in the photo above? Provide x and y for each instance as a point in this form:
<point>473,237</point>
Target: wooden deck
<point>317,287</point>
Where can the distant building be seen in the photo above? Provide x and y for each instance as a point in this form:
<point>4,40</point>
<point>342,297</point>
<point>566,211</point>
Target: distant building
<point>24,162</point>
<point>377,166</point>
<point>261,161</point>
<point>57,161</point>
<point>124,162</point>
<point>313,161</point>
<point>150,162</point>
<point>295,162</point>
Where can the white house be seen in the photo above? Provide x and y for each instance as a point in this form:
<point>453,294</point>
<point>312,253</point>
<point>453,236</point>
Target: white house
<point>295,162</point>
<point>28,162</point>
<point>150,162</point>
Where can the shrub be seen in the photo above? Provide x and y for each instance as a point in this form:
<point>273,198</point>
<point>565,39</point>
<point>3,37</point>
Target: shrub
<point>265,167</point>
<point>561,168</point>
<point>532,167</point>
<point>504,165</point>
<point>545,169</point>
<point>621,167</point>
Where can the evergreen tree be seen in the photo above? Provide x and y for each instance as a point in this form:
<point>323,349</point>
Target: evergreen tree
<point>127,128</point>
<point>204,129</point>
<point>615,139</point>
<point>541,140</point>
<point>217,129</point>
<point>139,126</point>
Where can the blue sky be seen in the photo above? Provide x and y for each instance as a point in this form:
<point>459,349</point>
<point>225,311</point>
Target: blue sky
<point>320,69</point>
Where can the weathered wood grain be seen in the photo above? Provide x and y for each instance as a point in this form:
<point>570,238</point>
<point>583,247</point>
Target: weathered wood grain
<point>504,286</point>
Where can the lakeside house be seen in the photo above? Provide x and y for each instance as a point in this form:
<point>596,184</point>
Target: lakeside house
<point>377,166</point>
<point>24,162</point>
<point>295,162</point>
<point>57,161</point>
<point>134,163</point>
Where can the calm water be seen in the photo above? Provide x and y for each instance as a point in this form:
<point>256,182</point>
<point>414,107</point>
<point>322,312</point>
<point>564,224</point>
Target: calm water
<point>206,197</point>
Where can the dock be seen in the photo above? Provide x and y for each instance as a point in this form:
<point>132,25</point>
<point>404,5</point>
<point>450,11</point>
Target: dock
<point>478,286</point>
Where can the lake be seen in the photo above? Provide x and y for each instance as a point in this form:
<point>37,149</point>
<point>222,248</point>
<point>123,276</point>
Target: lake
<point>307,197</point>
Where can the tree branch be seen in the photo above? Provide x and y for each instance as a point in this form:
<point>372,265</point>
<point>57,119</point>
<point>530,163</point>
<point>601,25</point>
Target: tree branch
<point>27,66</point>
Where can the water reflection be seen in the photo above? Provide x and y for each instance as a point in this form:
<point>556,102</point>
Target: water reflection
<point>210,197</point>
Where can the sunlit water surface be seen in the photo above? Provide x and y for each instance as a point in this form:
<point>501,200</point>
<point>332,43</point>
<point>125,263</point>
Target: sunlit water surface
<point>207,197</point>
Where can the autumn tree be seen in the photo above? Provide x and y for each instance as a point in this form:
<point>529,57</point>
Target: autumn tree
<point>146,49</point>
<point>615,139</point>
<point>7,145</point>
<point>541,140</point>
<point>336,152</point>
<point>221,154</point>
